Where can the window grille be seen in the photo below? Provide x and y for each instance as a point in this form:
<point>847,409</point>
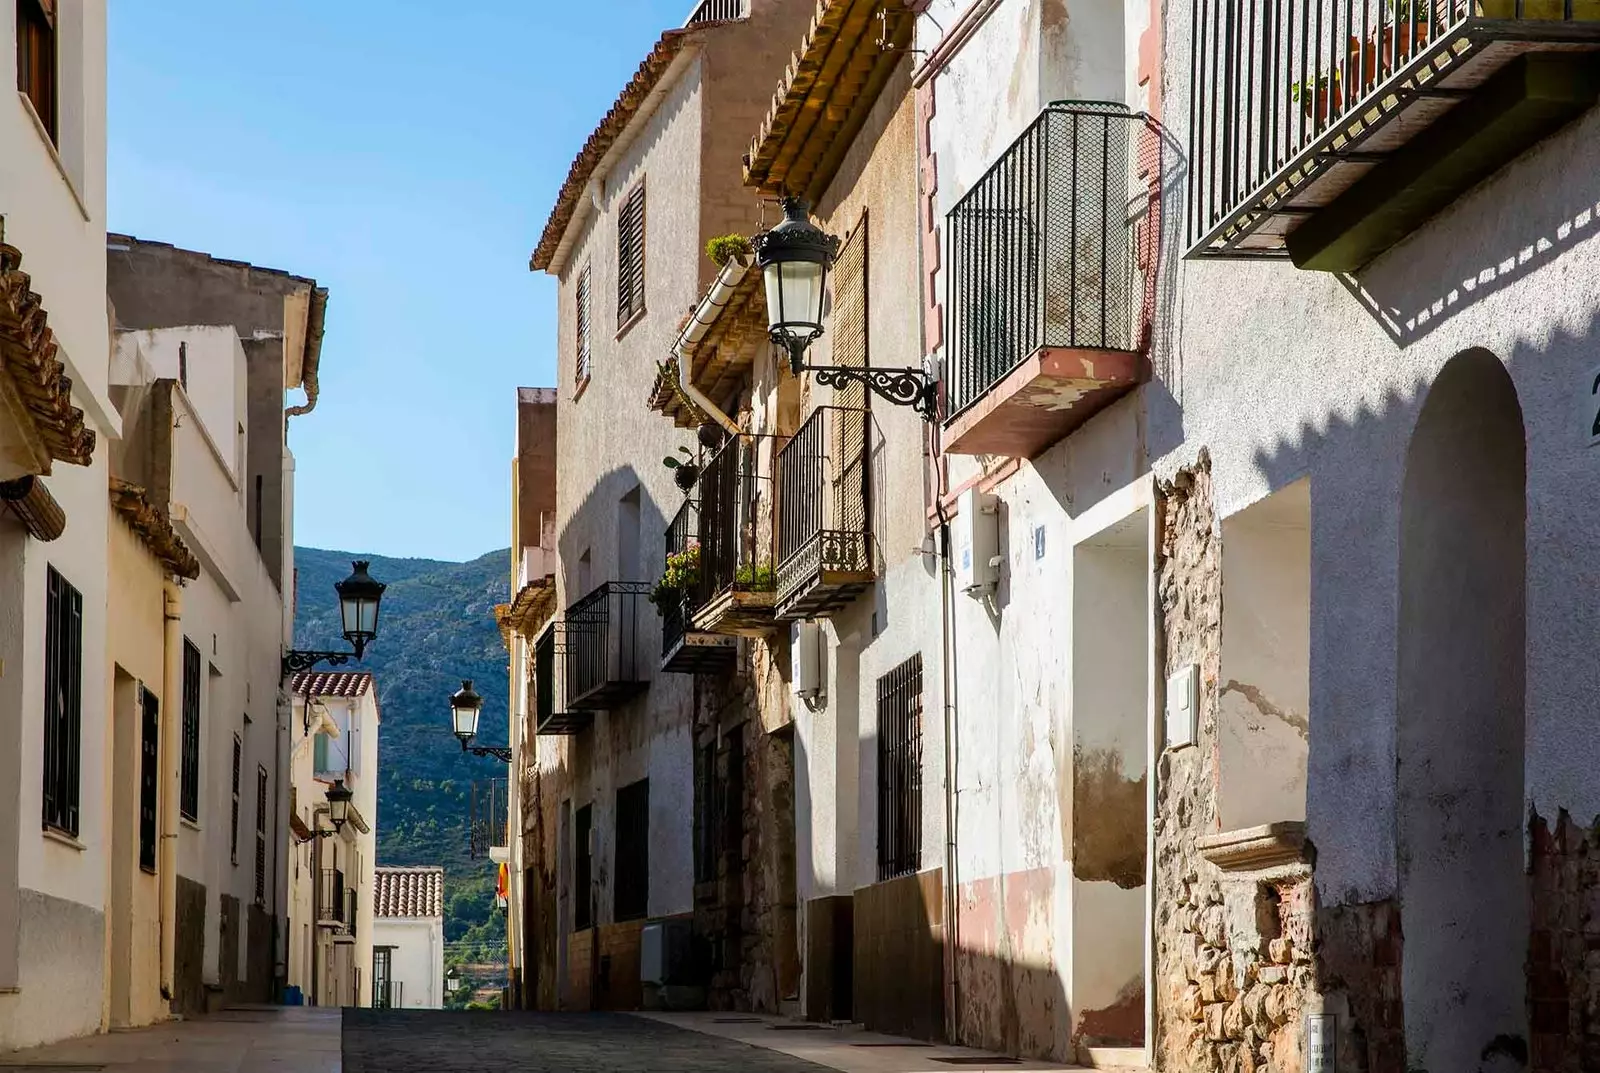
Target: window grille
<point>261,834</point>
<point>631,888</point>
<point>149,776</point>
<point>630,256</point>
<point>233,830</point>
<point>900,770</point>
<point>189,788</point>
<point>63,705</point>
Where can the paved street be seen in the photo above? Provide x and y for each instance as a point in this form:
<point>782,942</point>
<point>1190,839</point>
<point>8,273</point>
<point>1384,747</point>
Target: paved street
<point>255,1039</point>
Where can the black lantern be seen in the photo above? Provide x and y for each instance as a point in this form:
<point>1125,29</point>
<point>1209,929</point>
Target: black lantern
<point>452,982</point>
<point>359,595</point>
<point>794,258</point>
<point>465,704</point>
<point>339,796</point>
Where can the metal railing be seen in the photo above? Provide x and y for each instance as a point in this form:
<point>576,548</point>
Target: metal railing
<point>331,902</point>
<point>389,995</point>
<point>735,545</point>
<point>1270,78</point>
<point>683,533</point>
<point>549,661</point>
<point>715,11</point>
<point>490,804</point>
<point>1043,248</point>
<point>825,497</point>
<point>604,631</point>
<point>352,914</point>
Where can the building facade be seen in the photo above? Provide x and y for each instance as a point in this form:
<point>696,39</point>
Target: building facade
<point>332,875</point>
<point>407,970</point>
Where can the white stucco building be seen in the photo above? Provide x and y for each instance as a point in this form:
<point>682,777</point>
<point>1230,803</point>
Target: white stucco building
<point>331,876</point>
<point>407,969</point>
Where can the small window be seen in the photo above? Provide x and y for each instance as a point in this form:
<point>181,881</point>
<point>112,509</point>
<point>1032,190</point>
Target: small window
<point>630,256</point>
<point>36,59</point>
<point>582,874</point>
<point>149,776</point>
<point>63,703</point>
<point>900,770</point>
<point>631,889</point>
<point>261,834</point>
<point>581,365</point>
<point>189,788</point>
<point>233,830</point>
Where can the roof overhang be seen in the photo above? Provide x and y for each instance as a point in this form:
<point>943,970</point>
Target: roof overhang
<point>725,333</point>
<point>826,93</point>
<point>528,610</point>
<point>31,502</point>
<point>36,390</point>
<point>154,528</point>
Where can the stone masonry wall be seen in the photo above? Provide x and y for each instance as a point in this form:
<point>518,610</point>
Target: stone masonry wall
<point>1564,948</point>
<point>1244,957</point>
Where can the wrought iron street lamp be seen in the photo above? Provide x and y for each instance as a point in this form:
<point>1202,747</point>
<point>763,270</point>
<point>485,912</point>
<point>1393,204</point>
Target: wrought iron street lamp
<point>339,797</point>
<point>359,597</point>
<point>465,706</point>
<point>794,258</point>
<point>452,982</point>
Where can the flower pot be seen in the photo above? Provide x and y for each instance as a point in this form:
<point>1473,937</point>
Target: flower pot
<point>1545,10</point>
<point>686,476</point>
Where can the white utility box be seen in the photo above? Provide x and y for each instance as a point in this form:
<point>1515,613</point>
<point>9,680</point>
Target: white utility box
<point>807,666</point>
<point>977,542</point>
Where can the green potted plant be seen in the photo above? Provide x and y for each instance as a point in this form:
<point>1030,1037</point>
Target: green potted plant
<point>685,472</point>
<point>681,576</point>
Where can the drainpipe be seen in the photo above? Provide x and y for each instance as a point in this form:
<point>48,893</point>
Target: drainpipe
<point>700,321</point>
<point>171,698</point>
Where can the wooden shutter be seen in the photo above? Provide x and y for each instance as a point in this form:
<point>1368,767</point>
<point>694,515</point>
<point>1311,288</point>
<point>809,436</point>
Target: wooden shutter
<point>848,325</point>
<point>233,831</point>
<point>149,776</point>
<point>630,255</point>
<point>581,364</point>
<point>189,791</point>
<point>261,835</point>
<point>36,59</point>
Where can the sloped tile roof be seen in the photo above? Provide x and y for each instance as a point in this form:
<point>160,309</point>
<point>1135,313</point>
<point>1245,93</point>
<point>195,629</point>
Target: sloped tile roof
<point>409,892</point>
<point>28,356</point>
<point>332,683</point>
<point>153,526</point>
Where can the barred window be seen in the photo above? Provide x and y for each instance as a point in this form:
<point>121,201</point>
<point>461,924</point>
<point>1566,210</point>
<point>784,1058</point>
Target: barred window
<point>630,256</point>
<point>189,788</point>
<point>63,702</point>
<point>581,367</point>
<point>36,59</point>
<point>261,834</point>
<point>149,776</point>
<point>233,831</point>
<point>900,770</point>
<point>631,887</point>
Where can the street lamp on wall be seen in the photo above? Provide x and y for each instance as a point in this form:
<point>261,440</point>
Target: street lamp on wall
<point>339,797</point>
<point>465,707</point>
<point>794,258</point>
<point>359,597</point>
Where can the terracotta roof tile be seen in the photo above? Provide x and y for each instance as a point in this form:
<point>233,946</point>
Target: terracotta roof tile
<point>152,525</point>
<point>28,356</point>
<point>332,683</point>
<point>409,892</point>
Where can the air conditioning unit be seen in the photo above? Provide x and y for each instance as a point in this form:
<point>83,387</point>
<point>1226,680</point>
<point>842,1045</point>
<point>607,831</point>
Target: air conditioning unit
<point>807,663</point>
<point>666,953</point>
<point>976,540</point>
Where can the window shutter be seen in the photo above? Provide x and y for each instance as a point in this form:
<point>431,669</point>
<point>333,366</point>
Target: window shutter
<point>233,831</point>
<point>630,255</point>
<point>581,365</point>
<point>848,329</point>
<point>63,714</point>
<point>319,753</point>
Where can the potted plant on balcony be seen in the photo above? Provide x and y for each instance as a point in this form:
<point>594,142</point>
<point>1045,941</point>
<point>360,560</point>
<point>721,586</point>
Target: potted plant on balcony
<point>685,472</point>
<point>755,577</point>
<point>1404,33</point>
<point>681,576</point>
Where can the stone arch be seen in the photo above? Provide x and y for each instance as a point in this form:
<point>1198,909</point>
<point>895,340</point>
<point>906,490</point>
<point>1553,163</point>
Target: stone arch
<point>1460,722</point>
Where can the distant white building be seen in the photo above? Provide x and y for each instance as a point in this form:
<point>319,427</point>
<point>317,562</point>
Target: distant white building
<point>408,938</point>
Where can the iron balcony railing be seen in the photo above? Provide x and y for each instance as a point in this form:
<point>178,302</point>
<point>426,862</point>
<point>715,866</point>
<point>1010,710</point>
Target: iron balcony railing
<point>735,523</point>
<point>352,902</point>
<point>683,537</point>
<point>389,995</point>
<point>604,640</point>
<point>825,499</point>
<point>490,806</point>
<point>330,896</point>
<point>1275,80</point>
<point>715,11</point>
<point>1043,250</point>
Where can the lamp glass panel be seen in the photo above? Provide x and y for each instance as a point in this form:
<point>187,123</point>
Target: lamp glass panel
<point>466,720</point>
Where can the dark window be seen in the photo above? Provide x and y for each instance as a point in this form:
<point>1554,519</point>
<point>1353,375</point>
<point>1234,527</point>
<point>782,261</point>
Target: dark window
<point>233,835</point>
<point>149,776</point>
<point>63,702</point>
<point>581,365</point>
<point>632,885</point>
<point>189,790</point>
<point>259,487</point>
<point>36,58</point>
<point>719,805</point>
<point>261,835</point>
<point>705,815</point>
<point>383,992</point>
<point>900,770</point>
<point>183,365</point>
<point>630,256</point>
<point>582,895</point>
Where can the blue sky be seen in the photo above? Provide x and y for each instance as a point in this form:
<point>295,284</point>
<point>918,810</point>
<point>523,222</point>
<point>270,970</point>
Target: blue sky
<point>405,153</point>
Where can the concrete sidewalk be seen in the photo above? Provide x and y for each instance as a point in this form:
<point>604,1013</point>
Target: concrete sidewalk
<point>846,1048</point>
<point>254,1039</point>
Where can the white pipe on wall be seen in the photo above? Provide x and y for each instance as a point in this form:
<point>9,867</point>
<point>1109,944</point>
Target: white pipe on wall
<point>171,700</point>
<point>700,321</point>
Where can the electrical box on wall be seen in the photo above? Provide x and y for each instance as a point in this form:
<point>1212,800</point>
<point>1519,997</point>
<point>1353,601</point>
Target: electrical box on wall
<point>807,670</point>
<point>977,542</point>
<point>1183,695</point>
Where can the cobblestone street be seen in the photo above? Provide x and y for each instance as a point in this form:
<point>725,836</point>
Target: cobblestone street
<point>446,1042</point>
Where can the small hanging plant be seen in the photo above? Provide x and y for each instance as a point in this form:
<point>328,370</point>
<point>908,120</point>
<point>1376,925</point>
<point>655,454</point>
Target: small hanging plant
<point>681,576</point>
<point>685,472</point>
<point>725,248</point>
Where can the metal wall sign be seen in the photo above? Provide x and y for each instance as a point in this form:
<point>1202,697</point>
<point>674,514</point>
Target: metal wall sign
<point>1322,1054</point>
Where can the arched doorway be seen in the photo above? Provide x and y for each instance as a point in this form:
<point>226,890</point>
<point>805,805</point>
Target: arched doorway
<point>1460,723</point>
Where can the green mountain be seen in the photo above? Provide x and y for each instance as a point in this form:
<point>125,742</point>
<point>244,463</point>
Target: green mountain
<point>435,627</point>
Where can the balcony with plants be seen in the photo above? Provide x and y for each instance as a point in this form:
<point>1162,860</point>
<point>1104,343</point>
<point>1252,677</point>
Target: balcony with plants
<point>826,554</point>
<point>1048,281</point>
<point>1326,131</point>
<point>685,650</point>
<point>737,584</point>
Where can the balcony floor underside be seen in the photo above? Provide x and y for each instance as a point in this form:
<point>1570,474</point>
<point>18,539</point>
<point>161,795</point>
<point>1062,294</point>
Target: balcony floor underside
<point>737,613</point>
<point>1046,397</point>
<point>824,592</point>
<point>1465,105</point>
<point>563,723</point>
<point>701,653</point>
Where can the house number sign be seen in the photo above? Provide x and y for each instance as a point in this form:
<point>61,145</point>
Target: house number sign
<point>1321,1055</point>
